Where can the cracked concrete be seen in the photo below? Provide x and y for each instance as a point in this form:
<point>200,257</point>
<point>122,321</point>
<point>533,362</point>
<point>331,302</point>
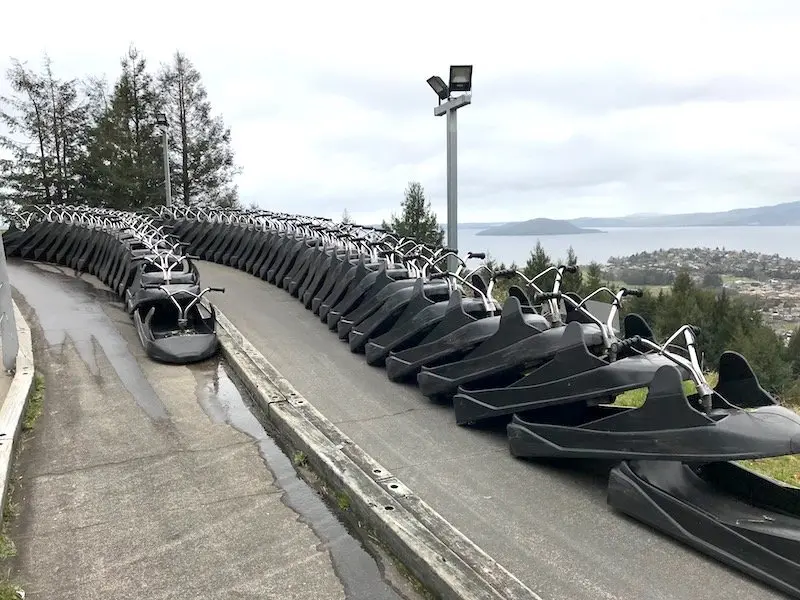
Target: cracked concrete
<point>143,498</point>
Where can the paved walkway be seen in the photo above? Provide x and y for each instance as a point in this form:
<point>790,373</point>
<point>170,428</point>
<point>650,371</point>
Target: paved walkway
<point>133,484</point>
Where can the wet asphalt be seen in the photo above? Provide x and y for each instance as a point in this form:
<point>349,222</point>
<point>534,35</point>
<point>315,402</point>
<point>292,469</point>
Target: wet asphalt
<point>158,481</point>
<point>548,523</point>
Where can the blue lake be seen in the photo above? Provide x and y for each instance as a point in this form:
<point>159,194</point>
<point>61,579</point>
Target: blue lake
<point>622,241</point>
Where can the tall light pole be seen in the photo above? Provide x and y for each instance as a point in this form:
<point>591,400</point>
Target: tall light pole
<point>161,121</point>
<point>460,81</point>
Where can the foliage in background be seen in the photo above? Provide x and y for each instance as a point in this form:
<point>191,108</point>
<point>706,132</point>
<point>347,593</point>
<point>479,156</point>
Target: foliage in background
<point>200,143</point>
<point>417,219</point>
<point>79,141</point>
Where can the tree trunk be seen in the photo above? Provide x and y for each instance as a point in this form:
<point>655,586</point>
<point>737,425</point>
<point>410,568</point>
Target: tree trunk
<point>185,181</point>
<point>42,150</point>
<point>61,176</point>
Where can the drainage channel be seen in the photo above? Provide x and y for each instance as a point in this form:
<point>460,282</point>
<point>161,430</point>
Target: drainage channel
<point>224,401</point>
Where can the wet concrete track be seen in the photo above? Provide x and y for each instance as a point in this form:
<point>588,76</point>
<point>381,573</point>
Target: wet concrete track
<point>142,476</point>
<point>223,401</point>
<point>548,525</point>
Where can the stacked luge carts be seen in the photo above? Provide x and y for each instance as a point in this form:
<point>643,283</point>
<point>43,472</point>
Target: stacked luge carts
<point>146,267</point>
<point>550,363</point>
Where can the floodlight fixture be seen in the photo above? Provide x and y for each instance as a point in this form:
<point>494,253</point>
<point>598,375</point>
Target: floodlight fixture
<point>439,86</point>
<point>460,78</point>
<point>161,120</point>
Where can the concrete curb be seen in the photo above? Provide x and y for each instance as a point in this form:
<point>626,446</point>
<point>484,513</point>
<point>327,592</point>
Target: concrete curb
<point>438,554</point>
<point>13,407</point>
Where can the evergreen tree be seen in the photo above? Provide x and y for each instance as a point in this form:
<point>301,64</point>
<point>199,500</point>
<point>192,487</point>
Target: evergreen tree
<point>683,307</point>
<point>46,119</point>
<point>200,143</point>
<point>572,282</point>
<point>592,278</point>
<point>124,168</point>
<point>417,220</point>
<point>346,218</point>
<point>760,345</point>
<point>646,307</point>
<point>537,262</point>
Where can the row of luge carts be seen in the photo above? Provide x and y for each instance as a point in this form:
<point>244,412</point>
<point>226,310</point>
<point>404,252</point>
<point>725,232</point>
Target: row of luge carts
<point>144,265</point>
<point>550,364</point>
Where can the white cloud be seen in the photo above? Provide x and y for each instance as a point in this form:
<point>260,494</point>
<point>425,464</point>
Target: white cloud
<point>579,107</point>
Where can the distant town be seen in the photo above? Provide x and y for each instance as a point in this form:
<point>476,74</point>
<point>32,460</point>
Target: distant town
<point>771,280</point>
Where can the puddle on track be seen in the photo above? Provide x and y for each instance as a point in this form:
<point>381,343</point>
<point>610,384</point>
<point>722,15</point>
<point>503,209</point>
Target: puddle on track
<point>68,307</point>
<point>358,571</point>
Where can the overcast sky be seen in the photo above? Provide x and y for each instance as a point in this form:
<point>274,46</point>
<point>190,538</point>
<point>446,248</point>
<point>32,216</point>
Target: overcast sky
<point>579,108</point>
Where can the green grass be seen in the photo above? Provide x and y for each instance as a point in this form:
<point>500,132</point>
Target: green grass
<point>34,409</point>
<point>8,591</point>
<point>734,278</point>
<point>300,459</point>
<point>7,547</point>
<point>782,468</point>
<point>635,398</point>
<point>342,500</point>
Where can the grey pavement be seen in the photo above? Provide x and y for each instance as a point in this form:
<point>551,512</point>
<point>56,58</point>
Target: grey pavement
<point>549,526</point>
<point>135,484</point>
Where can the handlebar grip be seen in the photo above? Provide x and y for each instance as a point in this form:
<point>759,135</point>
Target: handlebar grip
<point>539,298</point>
<point>357,239</point>
<point>696,330</point>
<point>217,289</point>
<point>446,250</point>
<point>438,275</point>
<point>616,347</point>
<point>571,268</point>
<point>481,255</point>
<point>634,292</point>
<point>504,274</point>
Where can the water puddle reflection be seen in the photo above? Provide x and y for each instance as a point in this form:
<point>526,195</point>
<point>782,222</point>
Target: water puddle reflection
<point>358,571</point>
<point>70,308</point>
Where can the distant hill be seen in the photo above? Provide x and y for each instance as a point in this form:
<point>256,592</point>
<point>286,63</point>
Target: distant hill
<point>475,225</point>
<point>537,227</point>
<point>787,213</point>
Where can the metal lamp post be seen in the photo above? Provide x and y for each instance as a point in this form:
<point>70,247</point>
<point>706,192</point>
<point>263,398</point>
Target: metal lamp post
<point>460,81</point>
<point>161,121</point>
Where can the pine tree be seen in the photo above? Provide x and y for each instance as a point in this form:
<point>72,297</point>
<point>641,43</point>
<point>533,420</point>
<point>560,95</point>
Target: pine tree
<point>46,119</point>
<point>592,279</point>
<point>572,282</point>
<point>346,218</point>
<point>537,262</point>
<point>199,141</point>
<point>123,167</point>
<point>417,221</point>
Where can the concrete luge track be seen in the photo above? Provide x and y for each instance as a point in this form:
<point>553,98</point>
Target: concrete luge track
<point>549,525</point>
